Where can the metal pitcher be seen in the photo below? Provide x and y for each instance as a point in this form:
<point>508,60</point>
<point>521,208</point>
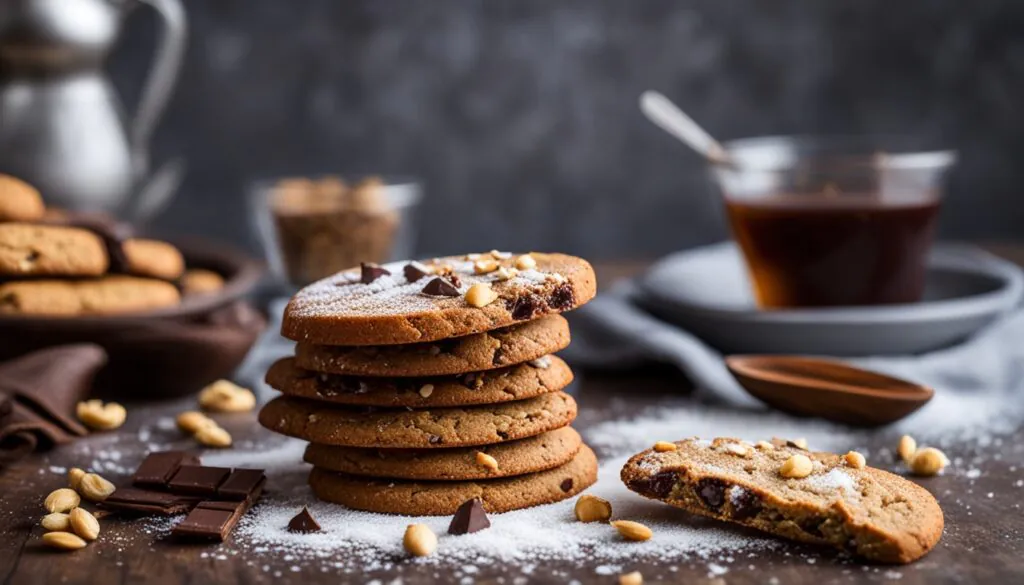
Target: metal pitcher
<point>62,126</point>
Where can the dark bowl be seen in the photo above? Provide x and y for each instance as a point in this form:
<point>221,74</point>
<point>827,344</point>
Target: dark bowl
<point>164,353</point>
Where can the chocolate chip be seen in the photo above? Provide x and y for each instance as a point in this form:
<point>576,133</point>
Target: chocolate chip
<point>566,485</point>
<point>497,357</point>
<point>658,485</point>
<point>415,271</point>
<point>371,272</point>
<point>303,522</point>
<point>503,435</point>
<point>711,492</point>
<point>812,526</point>
<point>562,298</point>
<point>439,287</point>
<point>469,518</point>
<point>524,307</point>
<point>745,503</point>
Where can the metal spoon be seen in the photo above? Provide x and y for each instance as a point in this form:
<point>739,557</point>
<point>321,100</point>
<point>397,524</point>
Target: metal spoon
<point>827,389</point>
<point>667,116</point>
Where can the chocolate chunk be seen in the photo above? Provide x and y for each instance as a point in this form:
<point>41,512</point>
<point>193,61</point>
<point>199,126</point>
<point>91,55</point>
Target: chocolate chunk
<point>711,492</point>
<point>140,501</point>
<point>371,272</point>
<point>158,468</point>
<point>242,484</point>
<point>439,287</point>
<point>562,298</point>
<point>415,271</point>
<point>524,307</point>
<point>658,485</point>
<point>210,520</point>
<point>198,479</point>
<point>566,484</point>
<point>470,517</point>
<point>497,357</point>
<point>812,526</point>
<point>303,522</point>
<point>745,503</point>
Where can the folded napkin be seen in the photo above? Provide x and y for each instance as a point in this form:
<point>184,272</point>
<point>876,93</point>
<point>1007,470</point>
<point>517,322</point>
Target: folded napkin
<point>38,394</point>
<point>613,331</point>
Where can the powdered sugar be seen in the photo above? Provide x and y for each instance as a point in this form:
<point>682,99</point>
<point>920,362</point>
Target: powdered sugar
<point>830,483</point>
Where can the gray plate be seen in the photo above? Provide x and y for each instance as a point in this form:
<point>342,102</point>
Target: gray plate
<point>707,292</point>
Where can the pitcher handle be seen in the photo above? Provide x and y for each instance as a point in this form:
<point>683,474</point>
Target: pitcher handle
<point>160,82</point>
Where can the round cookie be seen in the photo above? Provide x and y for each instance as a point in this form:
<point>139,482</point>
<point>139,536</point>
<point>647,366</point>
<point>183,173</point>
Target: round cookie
<point>19,201</point>
<point>545,374</point>
<point>440,498</point>
<point>472,353</point>
<point>106,295</point>
<point>401,303</point>
<point>545,451</point>
<point>153,258</point>
<point>43,250</point>
<point>419,429</point>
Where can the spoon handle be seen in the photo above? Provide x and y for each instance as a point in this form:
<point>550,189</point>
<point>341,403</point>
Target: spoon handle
<point>664,114</point>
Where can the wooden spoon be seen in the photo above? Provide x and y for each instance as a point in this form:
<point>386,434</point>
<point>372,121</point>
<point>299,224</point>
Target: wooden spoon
<point>827,389</point>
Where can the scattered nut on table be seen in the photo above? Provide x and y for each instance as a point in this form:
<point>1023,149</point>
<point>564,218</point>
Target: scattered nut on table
<point>633,531</point>
<point>95,488</point>
<point>419,540</point>
<point>927,462</point>
<point>62,500</point>
<point>191,421</point>
<point>63,541</point>
<point>84,524</point>
<point>99,416</point>
<point>590,508</point>
<point>226,396</point>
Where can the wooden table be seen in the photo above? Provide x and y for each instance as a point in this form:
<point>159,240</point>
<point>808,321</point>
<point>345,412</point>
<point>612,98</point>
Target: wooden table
<point>983,541</point>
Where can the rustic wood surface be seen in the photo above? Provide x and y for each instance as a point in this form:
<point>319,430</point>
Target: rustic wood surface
<point>983,541</point>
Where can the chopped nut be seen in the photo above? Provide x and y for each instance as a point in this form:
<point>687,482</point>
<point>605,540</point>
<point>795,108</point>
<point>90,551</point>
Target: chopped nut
<point>101,417</point>
<point>855,460</point>
<point>94,488</point>
<point>764,445</point>
<point>84,524</point>
<point>213,437</point>
<point>500,255</point>
<point>633,531</point>
<point>485,266</point>
<point>928,462</point>
<point>75,476</point>
<point>542,363</point>
<point>426,390</point>
<point>490,463</point>
<point>665,446</point>
<point>505,273</point>
<point>796,467</point>
<point>525,262</point>
<point>419,540</point>
<point>63,541</point>
<point>800,443</point>
<point>55,522</point>
<point>472,257</point>
<point>634,578</point>
<point>62,500</point>
<point>191,421</point>
<point>737,449</point>
<point>906,448</point>
<point>226,396</point>
<point>480,295</point>
<point>590,508</point>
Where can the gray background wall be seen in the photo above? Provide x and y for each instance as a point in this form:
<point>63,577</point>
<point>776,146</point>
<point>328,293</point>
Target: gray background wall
<point>520,116</point>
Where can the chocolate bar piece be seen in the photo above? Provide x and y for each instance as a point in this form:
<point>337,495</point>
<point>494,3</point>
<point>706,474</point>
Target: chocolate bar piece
<point>198,479</point>
<point>158,468</point>
<point>141,501</point>
<point>242,484</point>
<point>211,520</point>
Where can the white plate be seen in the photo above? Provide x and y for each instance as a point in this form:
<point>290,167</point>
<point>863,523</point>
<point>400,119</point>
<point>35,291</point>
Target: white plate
<point>707,292</point>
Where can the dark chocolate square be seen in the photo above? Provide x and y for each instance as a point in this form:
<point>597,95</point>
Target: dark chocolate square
<point>198,479</point>
<point>144,502</point>
<point>158,468</point>
<point>242,484</point>
<point>209,522</point>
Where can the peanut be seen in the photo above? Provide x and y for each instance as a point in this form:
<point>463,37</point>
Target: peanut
<point>419,540</point>
<point>84,524</point>
<point>63,541</point>
<point>665,446</point>
<point>590,508</point>
<point>633,531</point>
<point>94,488</point>
<point>101,417</point>
<point>61,500</point>
<point>796,467</point>
<point>226,396</point>
<point>480,295</point>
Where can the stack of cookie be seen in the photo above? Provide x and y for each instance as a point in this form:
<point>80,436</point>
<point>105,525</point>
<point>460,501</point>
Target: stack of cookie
<point>58,264</point>
<point>421,385</point>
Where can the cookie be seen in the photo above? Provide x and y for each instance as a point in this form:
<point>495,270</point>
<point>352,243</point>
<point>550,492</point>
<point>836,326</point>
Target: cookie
<point>867,512</point>
<point>405,302</point>
<point>438,498</point>
<point>106,295</point>
<point>472,353</point>
<point>419,429</point>
<point>19,201</point>
<point>153,258</point>
<point>545,374</point>
<point>43,250</point>
<point>539,453</point>
<point>199,281</point>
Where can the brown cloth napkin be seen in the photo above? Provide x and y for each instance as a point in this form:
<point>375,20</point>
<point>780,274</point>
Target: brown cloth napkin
<point>38,394</point>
